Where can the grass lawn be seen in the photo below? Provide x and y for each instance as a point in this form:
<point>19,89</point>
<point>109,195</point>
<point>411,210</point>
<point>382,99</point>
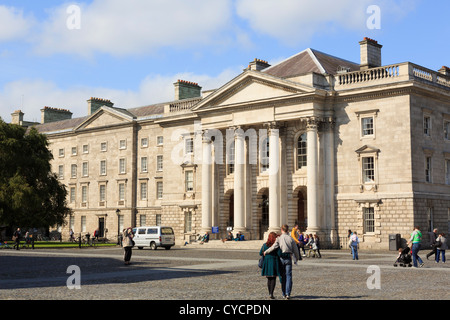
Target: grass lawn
<point>58,244</point>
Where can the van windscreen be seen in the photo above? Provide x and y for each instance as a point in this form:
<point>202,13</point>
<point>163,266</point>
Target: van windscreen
<point>166,231</point>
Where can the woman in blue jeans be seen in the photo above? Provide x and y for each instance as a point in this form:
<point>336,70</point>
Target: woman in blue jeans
<point>354,245</point>
<point>414,244</point>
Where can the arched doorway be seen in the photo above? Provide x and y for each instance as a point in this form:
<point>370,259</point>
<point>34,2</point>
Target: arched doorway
<point>263,209</point>
<point>231,211</point>
<point>302,217</point>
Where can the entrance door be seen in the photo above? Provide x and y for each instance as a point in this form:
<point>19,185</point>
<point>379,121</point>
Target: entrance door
<point>264,222</point>
<point>301,217</point>
<point>231,212</point>
<point>101,227</point>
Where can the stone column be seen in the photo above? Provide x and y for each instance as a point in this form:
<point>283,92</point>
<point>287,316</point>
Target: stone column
<point>206,183</point>
<point>274,178</point>
<point>312,173</point>
<point>239,180</point>
<point>329,179</point>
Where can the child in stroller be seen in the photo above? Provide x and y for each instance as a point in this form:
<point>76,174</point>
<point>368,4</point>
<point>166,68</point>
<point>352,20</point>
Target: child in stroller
<point>404,258</point>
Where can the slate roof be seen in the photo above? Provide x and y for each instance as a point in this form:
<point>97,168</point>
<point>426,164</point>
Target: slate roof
<point>67,125</point>
<point>310,60</point>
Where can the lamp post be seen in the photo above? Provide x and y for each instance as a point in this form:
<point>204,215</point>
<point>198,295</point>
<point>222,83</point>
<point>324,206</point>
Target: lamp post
<point>118,226</point>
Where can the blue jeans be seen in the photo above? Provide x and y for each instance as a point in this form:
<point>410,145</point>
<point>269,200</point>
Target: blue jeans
<point>415,250</point>
<point>438,252</point>
<point>286,276</point>
<point>355,252</point>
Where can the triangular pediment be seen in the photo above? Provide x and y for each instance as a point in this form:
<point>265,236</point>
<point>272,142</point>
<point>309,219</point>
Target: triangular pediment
<point>367,149</point>
<point>105,117</point>
<point>251,86</point>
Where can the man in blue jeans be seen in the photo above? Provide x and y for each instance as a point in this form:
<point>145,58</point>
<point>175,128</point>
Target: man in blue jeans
<point>289,250</point>
<point>414,244</point>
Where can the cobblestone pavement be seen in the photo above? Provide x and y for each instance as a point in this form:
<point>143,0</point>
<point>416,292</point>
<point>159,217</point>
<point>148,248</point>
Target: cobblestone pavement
<point>184,273</point>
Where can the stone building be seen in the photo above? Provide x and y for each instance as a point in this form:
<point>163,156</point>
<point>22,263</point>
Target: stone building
<point>316,140</point>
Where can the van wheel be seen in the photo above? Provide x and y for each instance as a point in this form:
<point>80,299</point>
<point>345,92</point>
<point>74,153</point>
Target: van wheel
<point>167,248</point>
<point>140,248</point>
<point>153,246</point>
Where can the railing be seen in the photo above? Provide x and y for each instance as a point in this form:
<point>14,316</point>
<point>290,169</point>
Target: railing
<point>183,105</point>
<point>389,74</point>
<point>368,75</point>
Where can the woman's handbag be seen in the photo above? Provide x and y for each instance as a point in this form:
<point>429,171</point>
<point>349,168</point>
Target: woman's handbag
<point>261,262</point>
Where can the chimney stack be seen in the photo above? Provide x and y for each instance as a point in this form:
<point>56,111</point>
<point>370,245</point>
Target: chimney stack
<point>17,117</point>
<point>370,54</point>
<point>54,114</point>
<point>444,70</point>
<point>186,89</point>
<point>96,103</point>
<point>258,65</point>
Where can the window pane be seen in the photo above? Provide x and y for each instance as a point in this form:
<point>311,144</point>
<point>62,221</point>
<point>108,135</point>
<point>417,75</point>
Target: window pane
<point>189,180</point>
<point>159,190</point>
<point>369,220</point>
<point>265,155</point>
<point>144,191</point>
<point>368,169</point>
<point>367,126</point>
<point>301,151</point>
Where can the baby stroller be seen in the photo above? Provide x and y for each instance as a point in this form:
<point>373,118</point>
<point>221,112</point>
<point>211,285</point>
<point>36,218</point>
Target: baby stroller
<point>404,258</point>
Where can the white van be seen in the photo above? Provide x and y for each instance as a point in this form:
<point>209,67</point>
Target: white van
<point>154,237</point>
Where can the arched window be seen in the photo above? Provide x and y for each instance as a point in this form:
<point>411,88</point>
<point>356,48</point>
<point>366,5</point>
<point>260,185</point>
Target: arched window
<point>301,151</point>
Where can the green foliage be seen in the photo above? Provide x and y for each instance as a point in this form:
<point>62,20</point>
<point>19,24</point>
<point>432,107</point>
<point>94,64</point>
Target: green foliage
<point>30,194</point>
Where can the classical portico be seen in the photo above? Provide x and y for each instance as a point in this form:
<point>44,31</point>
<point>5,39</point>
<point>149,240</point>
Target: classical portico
<point>251,174</point>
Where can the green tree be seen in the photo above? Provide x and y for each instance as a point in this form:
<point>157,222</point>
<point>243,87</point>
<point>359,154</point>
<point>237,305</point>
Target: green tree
<point>30,194</point>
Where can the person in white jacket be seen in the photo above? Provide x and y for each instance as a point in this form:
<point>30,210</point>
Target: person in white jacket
<point>354,245</point>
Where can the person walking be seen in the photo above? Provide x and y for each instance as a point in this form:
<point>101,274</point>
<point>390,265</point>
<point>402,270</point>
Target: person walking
<point>441,247</point>
<point>127,245</point>
<point>17,235</point>
<point>433,236</point>
<point>354,245</point>
<point>295,234</point>
<point>289,250</point>
<point>317,246</point>
<point>415,243</point>
<point>271,265</point>
<point>301,243</point>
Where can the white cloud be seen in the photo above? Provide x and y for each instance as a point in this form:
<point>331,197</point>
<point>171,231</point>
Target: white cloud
<point>36,94</point>
<point>133,27</point>
<point>294,21</point>
<point>13,24</point>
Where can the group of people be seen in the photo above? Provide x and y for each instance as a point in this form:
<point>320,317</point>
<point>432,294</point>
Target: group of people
<point>308,241</point>
<point>438,243</point>
<point>229,237</point>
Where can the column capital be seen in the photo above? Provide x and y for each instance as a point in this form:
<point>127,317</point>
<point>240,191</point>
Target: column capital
<point>312,123</point>
<point>329,123</point>
<point>272,127</point>
<point>205,137</point>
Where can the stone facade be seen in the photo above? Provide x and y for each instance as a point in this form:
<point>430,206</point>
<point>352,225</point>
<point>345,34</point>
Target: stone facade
<point>315,140</point>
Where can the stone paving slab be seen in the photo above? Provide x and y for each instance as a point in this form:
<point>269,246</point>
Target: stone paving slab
<point>191,274</point>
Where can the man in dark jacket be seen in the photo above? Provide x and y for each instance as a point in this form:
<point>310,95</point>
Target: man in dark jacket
<point>433,235</point>
<point>17,235</point>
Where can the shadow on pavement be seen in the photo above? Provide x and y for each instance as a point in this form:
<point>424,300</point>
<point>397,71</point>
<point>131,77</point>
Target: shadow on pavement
<point>39,271</point>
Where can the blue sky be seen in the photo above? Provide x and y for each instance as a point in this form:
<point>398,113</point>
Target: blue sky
<point>132,51</point>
